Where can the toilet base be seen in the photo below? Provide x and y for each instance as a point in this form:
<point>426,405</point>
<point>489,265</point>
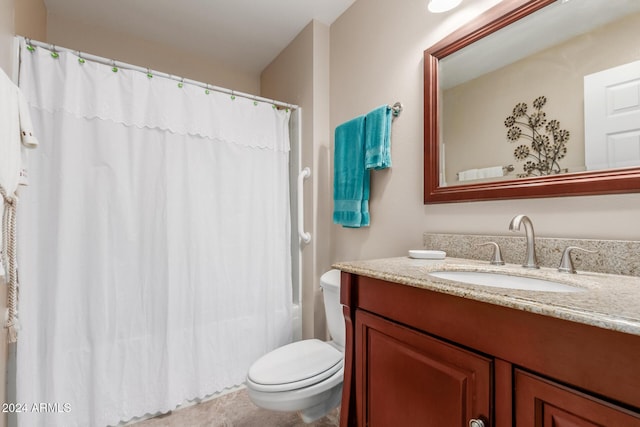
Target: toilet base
<point>318,411</point>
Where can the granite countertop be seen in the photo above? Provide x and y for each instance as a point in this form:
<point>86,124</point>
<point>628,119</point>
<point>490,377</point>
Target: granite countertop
<point>608,301</point>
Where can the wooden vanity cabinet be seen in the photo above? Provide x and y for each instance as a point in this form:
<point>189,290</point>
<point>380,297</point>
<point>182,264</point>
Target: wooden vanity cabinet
<point>407,378</point>
<point>543,403</point>
<point>416,357</point>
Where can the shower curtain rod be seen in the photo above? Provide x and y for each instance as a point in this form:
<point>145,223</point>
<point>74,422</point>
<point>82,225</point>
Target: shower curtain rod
<point>117,64</point>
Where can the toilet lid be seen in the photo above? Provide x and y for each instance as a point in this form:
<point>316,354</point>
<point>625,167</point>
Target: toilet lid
<point>296,365</point>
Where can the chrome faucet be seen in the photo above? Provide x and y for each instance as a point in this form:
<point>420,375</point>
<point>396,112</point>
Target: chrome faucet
<point>530,260</point>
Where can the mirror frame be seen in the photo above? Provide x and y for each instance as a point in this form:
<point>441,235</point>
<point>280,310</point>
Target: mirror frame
<point>613,181</point>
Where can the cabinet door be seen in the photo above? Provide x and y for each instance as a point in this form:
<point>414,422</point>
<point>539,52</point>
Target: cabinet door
<point>542,403</point>
<point>406,378</point>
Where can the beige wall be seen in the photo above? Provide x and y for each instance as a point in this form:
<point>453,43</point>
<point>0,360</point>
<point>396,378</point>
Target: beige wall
<point>376,57</point>
<point>474,132</point>
<point>7,30</point>
<point>31,19</point>
<point>100,41</point>
<point>300,75</point>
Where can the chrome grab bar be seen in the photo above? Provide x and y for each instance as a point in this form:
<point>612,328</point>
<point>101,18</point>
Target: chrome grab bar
<point>304,236</point>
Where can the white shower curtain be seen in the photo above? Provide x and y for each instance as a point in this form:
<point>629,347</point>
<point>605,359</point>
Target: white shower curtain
<point>154,242</point>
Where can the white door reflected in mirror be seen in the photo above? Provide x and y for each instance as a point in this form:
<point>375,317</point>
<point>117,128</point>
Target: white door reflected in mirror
<point>612,117</point>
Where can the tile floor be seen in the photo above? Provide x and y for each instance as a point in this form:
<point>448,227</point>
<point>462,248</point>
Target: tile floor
<point>234,410</point>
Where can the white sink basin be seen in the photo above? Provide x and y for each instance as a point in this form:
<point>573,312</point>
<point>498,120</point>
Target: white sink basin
<point>498,280</point>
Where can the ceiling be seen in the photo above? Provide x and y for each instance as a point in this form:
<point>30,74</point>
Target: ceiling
<point>244,34</point>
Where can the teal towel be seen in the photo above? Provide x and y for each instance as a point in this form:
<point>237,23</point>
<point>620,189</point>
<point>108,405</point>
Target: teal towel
<point>378,138</point>
<point>350,178</point>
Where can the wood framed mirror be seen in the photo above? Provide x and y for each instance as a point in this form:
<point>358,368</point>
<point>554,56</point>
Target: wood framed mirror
<point>501,21</point>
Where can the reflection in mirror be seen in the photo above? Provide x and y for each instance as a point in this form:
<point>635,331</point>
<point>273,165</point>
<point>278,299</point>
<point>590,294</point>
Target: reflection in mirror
<point>555,62</point>
<point>535,99</point>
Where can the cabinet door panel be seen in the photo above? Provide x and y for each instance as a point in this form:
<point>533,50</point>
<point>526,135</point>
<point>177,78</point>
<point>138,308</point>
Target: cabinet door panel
<point>542,403</point>
<point>556,417</point>
<point>406,378</point>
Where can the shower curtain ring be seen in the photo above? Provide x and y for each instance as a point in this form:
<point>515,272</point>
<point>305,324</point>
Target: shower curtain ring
<point>30,47</point>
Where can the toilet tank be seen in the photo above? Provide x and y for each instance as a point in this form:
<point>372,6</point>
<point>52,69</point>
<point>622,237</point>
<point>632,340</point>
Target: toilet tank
<point>330,283</point>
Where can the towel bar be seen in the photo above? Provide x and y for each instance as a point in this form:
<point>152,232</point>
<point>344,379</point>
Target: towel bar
<point>505,169</point>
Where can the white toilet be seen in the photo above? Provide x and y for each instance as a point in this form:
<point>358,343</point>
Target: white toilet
<point>304,376</point>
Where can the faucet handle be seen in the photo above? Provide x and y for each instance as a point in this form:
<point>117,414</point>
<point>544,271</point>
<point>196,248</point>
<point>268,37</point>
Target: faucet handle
<point>566,263</point>
<point>496,258</point>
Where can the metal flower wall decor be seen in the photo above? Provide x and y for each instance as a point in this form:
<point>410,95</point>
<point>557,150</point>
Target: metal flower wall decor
<point>548,141</point>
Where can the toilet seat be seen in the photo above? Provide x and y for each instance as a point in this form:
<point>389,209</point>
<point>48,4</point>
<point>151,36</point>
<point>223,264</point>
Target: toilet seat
<point>294,366</point>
